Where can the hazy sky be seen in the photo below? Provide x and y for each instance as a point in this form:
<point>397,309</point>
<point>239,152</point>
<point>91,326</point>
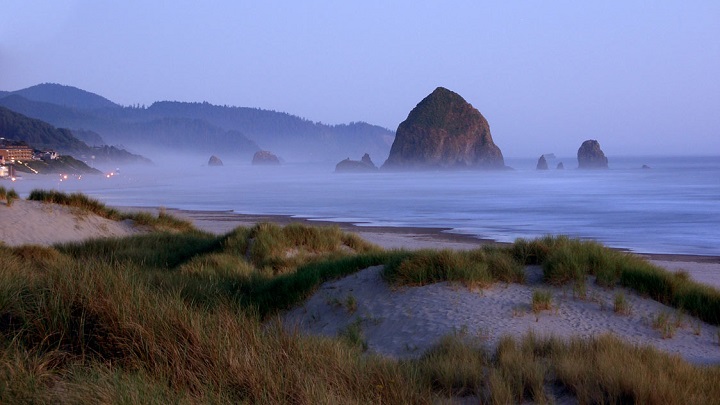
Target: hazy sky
<point>642,77</point>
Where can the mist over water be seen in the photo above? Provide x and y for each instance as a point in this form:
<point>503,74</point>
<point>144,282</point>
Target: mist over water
<point>672,208</point>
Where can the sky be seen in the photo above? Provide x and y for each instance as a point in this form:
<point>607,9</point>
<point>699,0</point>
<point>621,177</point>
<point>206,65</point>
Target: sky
<point>641,77</point>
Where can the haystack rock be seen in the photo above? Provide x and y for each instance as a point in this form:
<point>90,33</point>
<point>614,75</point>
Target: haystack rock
<point>215,161</point>
<point>264,157</point>
<point>542,163</point>
<point>590,156</point>
<point>444,132</point>
<point>560,166</point>
<point>357,166</point>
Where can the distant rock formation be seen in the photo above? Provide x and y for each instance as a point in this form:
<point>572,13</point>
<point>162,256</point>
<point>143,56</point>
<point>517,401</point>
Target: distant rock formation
<point>363,165</point>
<point>264,157</point>
<point>542,163</point>
<point>590,156</point>
<point>215,161</point>
<point>444,132</point>
<point>560,166</point>
<point>646,167</point>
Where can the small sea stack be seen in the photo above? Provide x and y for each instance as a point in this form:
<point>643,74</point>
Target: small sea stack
<point>215,161</point>
<point>265,158</point>
<point>542,163</point>
<point>356,166</point>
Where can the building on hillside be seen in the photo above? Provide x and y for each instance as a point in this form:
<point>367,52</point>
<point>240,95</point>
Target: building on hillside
<point>12,153</point>
<point>48,155</point>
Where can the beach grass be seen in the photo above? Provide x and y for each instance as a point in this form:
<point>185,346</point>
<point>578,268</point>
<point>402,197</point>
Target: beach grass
<point>186,317</point>
<point>161,222</point>
<point>8,195</point>
<point>474,268</point>
<point>541,301</point>
<point>566,260</point>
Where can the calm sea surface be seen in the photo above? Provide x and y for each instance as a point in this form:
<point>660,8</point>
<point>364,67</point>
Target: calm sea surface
<point>672,208</point>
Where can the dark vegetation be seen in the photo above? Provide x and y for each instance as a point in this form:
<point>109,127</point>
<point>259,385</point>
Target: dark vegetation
<point>38,134</point>
<point>43,136</point>
<point>184,316</point>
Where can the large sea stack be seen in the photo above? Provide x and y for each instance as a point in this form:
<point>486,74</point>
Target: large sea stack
<point>590,156</point>
<point>444,132</point>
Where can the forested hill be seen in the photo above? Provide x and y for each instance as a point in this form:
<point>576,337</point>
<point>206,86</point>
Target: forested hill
<point>233,132</point>
<point>41,135</point>
<point>38,134</point>
<point>284,133</point>
<point>66,96</point>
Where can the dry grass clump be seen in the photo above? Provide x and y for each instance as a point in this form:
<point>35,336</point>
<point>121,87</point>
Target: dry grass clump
<point>620,304</point>
<point>566,260</point>
<point>475,268</point>
<point>541,301</point>
<point>282,249</point>
<point>161,222</point>
<point>77,200</point>
<point>548,370</point>
<point>8,195</point>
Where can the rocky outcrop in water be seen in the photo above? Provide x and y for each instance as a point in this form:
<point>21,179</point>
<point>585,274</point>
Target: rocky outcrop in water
<point>215,161</point>
<point>444,132</point>
<point>542,163</point>
<point>560,166</point>
<point>590,156</point>
<point>264,157</point>
<point>356,166</point>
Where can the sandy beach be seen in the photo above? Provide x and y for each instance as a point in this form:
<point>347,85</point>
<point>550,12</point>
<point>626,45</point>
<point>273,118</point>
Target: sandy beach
<point>403,322</point>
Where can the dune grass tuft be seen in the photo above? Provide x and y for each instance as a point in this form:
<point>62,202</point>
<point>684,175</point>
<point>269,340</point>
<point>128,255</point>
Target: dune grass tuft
<point>8,195</point>
<point>620,304</point>
<point>475,268</point>
<point>566,260</point>
<point>161,222</point>
<point>541,301</point>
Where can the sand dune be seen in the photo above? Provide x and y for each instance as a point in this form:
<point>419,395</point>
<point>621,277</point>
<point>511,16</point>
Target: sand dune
<point>34,222</point>
<point>404,322</point>
<point>407,321</point>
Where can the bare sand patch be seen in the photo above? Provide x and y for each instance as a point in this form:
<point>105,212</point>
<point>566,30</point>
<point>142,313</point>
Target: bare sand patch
<point>37,223</point>
<point>406,321</point>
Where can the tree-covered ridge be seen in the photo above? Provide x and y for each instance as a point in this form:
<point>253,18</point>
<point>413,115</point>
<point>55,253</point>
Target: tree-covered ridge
<point>38,134</point>
<point>66,96</point>
<point>203,127</point>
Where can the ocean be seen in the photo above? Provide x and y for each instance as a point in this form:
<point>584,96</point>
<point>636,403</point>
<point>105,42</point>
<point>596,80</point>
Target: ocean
<point>673,207</point>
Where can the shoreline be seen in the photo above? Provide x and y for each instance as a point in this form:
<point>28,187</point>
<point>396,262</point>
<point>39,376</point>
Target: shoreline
<point>220,222</point>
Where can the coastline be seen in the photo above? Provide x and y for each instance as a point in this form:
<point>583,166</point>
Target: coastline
<point>389,237</point>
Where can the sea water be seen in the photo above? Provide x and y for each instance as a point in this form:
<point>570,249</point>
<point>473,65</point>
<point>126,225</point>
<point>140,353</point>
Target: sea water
<point>673,207</point>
